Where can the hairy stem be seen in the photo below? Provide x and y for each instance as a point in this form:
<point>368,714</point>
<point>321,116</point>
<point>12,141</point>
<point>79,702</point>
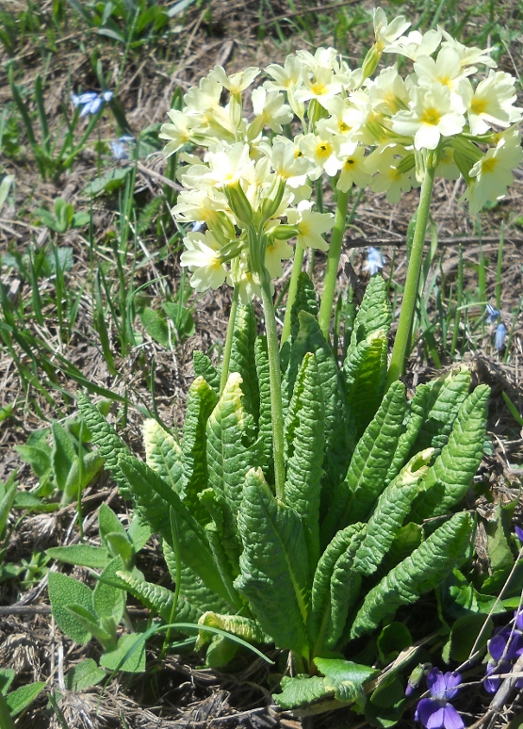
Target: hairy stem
<point>275,382</point>
<point>397,362</point>
<point>228,342</point>
<point>293,288</point>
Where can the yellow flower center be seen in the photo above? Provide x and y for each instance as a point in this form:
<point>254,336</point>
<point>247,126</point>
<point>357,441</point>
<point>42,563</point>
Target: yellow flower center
<point>324,150</point>
<point>318,88</point>
<point>489,165</point>
<point>343,128</point>
<point>349,162</point>
<point>478,106</point>
<point>431,116</point>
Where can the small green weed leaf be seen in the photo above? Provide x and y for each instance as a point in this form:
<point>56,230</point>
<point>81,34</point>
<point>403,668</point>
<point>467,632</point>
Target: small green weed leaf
<point>464,637</point>
<point>231,452</point>
<point>129,656</point>
<point>460,598</point>
<point>62,255</point>
<point>109,601</point>
<point>120,546</point>
<point>83,555</point>
<point>6,502</point>
<point>156,327</point>
<point>245,628</point>
<point>200,402</point>
<point>274,567</point>
<point>163,454</point>
<point>139,533</point>
<point>92,464</point>
<point>108,182</point>
<point>23,697</point>
<point>104,630</point>
<point>108,523</point>
<point>335,587</point>
<point>393,506</point>
<point>39,458</point>
<point>387,703</point>
<point>393,639</point>
<point>84,675</point>
<point>109,444</point>
<point>153,497</point>
<point>7,676</point>
<point>452,472</point>
<point>355,497</point>
<point>242,358</point>
<point>418,573</point>
<point>63,592</point>
<point>63,455</point>
<point>203,367</point>
<point>498,529</point>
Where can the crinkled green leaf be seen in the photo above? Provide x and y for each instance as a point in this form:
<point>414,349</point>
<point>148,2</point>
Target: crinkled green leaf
<point>304,445</point>
<point>335,587</point>
<point>339,438</point>
<point>447,394</point>
<point>220,652</point>
<point>200,402</point>
<point>303,693</point>
<point>365,372</point>
<point>274,567</point>
<point>374,314</point>
<point>163,454</point>
<point>245,628</point>
<point>452,472</point>
<point>156,597</point>
<point>305,301</point>
<point>393,506</point>
<point>416,409</point>
<point>104,436</point>
<point>242,357</point>
<point>355,497</point>
<point>203,367</point>
<point>231,449</point>
<point>227,569</point>
<point>223,528</point>
<point>156,500</point>
<point>417,574</point>
<point>193,592</point>
<point>261,359</point>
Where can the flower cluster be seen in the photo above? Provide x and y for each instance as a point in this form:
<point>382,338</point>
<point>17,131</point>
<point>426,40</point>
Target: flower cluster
<point>383,131</point>
<point>504,648</point>
<point>437,712</point>
<point>91,101</point>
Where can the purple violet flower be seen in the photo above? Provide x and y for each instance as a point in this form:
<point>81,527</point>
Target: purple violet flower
<point>519,535</point>
<point>437,712</point>
<point>504,647</point>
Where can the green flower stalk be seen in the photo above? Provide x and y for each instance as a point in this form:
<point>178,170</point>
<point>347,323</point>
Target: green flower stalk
<point>397,362</point>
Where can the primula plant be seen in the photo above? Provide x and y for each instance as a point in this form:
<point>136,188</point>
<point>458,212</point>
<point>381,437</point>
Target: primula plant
<point>308,499</point>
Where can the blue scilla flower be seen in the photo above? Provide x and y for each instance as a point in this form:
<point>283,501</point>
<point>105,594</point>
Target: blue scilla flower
<point>500,336</point>
<point>374,262</point>
<point>118,150</point>
<point>492,314</point>
<point>437,712</point>
<point>91,101</point>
